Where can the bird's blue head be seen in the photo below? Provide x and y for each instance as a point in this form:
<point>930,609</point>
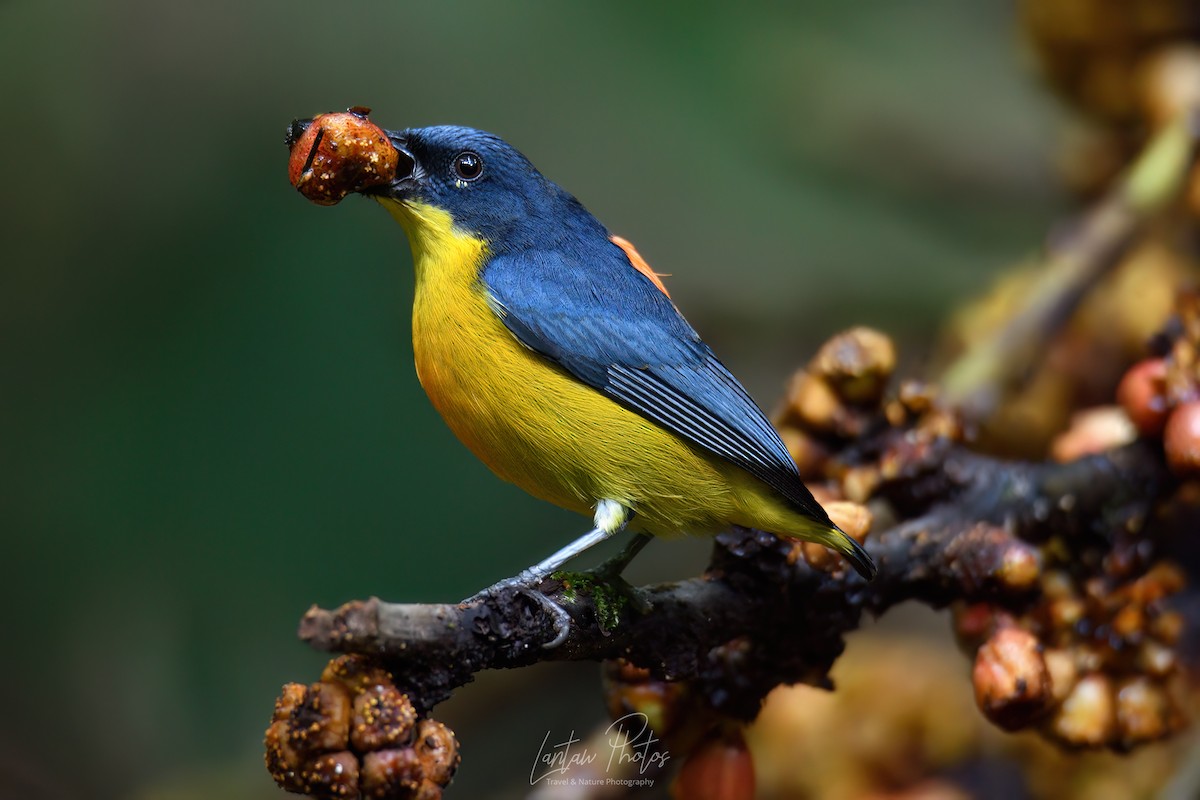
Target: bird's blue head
<point>487,187</point>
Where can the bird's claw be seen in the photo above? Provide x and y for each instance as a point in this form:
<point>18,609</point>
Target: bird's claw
<point>562,620</point>
<point>523,584</point>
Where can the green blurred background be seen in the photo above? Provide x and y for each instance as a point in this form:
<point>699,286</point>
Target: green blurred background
<point>210,416</point>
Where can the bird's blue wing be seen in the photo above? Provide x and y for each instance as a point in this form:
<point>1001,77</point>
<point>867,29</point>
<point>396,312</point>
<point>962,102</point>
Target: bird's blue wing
<point>608,325</point>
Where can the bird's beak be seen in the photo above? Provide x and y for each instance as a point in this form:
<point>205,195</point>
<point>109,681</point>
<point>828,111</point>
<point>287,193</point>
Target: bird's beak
<point>408,172</point>
<point>295,131</point>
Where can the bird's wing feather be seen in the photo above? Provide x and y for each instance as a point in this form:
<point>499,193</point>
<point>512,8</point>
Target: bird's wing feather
<point>608,325</point>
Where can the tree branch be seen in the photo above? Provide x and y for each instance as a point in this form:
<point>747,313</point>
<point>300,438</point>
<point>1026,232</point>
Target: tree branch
<point>723,630</point>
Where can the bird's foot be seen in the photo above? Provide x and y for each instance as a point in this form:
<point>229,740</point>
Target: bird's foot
<point>611,517</point>
<point>526,582</point>
<point>613,567</point>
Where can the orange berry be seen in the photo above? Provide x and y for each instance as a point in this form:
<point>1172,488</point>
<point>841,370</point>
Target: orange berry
<point>1012,684</point>
<point>1142,393</point>
<point>1182,439</point>
<point>336,154</point>
<point>718,769</point>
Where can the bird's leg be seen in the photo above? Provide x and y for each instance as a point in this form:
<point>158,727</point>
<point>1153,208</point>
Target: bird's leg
<point>613,567</point>
<point>610,571</point>
<point>610,519</point>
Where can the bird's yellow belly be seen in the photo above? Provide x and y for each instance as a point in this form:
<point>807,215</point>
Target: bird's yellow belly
<point>557,438</point>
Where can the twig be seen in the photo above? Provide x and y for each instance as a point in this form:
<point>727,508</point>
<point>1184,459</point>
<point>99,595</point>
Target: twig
<point>1074,261</point>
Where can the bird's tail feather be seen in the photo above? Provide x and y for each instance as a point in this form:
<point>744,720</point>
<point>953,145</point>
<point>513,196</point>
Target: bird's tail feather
<point>839,541</point>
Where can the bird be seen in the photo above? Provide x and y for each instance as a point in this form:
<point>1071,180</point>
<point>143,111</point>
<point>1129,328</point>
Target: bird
<point>557,356</point>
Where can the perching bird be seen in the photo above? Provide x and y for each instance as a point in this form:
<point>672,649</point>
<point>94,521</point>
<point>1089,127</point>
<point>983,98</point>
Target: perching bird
<point>555,354</point>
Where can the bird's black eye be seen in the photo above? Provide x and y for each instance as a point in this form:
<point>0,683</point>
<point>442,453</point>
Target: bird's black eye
<point>468,165</point>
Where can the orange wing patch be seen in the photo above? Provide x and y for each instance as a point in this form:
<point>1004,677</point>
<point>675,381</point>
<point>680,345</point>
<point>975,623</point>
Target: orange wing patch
<point>639,263</point>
